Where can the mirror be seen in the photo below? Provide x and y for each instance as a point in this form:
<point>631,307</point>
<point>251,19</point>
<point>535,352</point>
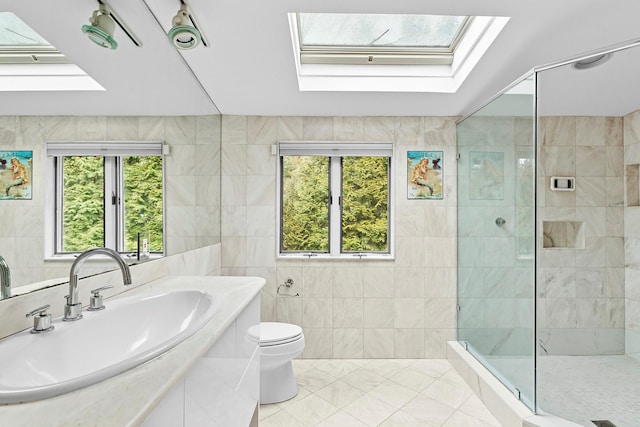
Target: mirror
<point>191,182</point>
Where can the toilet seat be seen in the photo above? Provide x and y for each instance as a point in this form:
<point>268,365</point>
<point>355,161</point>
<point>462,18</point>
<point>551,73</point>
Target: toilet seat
<point>274,333</point>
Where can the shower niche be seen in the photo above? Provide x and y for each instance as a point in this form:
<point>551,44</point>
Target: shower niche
<point>632,177</point>
<point>563,234</point>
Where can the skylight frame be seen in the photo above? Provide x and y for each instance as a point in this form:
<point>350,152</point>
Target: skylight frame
<point>380,55</point>
<point>477,39</point>
<point>38,51</point>
<point>35,65</point>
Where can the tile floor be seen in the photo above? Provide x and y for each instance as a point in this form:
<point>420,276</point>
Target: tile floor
<point>378,392</point>
<point>586,388</point>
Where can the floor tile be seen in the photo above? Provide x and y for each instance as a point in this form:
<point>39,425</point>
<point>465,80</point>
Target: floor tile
<point>433,367</point>
<point>428,410</point>
<point>447,393</point>
<point>314,379</point>
<point>402,419</point>
<point>302,393</point>
<point>460,419</point>
<point>370,410</point>
<point>281,419</point>
<point>339,393</point>
<point>378,392</point>
<point>338,368</point>
<point>311,410</point>
<point>265,411</point>
<point>388,367</point>
<point>475,408</point>
<point>341,419</point>
<point>414,380</point>
<point>393,393</point>
<point>364,379</point>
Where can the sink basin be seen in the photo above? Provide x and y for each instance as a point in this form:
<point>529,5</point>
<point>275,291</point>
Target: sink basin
<point>129,332</point>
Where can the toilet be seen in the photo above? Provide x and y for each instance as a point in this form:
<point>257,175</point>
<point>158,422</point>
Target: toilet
<point>279,344</point>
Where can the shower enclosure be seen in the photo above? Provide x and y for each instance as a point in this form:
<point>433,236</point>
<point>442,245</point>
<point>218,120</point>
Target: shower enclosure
<point>496,230</point>
<point>548,259</point>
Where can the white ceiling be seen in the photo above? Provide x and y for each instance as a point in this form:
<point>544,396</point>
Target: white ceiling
<point>249,67</point>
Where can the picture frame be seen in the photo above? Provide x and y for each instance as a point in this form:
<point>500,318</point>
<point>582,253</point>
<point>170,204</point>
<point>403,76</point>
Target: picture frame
<point>424,175</point>
<point>16,174</point>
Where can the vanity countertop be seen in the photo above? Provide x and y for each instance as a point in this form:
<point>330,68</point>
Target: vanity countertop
<point>126,399</point>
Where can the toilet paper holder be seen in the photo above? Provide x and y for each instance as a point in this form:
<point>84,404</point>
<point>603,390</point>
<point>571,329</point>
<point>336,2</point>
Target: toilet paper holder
<point>288,284</point>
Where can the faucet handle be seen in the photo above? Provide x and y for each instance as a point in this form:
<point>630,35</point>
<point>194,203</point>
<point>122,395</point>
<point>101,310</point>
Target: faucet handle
<point>41,319</point>
<point>96,292</point>
<point>95,302</point>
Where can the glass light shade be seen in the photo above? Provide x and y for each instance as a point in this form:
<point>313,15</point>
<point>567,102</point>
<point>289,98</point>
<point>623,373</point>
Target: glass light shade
<point>184,36</point>
<point>99,36</point>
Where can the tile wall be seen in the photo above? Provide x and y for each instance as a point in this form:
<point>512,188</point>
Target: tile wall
<point>347,309</point>
<point>632,237</point>
<point>192,183</point>
<point>581,291</point>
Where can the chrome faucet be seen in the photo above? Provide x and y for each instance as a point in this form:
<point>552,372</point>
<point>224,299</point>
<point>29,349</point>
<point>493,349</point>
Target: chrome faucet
<point>73,308</point>
<point>5,279</point>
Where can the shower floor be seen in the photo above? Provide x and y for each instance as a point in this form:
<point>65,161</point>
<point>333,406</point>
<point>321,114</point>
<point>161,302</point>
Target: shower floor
<point>583,388</point>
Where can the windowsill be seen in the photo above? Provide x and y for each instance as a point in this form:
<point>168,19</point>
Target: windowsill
<point>101,258</point>
<point>349,257</point>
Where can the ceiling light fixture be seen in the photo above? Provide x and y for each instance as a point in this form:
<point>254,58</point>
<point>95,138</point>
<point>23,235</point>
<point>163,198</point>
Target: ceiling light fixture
<point>184,32</point>
<point>103,24</point>
<point>593,61</point>
<point>101,29</point>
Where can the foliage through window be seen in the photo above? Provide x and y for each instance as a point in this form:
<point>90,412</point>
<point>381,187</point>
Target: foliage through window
<point>335,199</point>
<point>112,201</point>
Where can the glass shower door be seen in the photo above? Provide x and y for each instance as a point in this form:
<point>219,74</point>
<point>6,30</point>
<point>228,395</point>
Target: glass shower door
<point>496,229</point>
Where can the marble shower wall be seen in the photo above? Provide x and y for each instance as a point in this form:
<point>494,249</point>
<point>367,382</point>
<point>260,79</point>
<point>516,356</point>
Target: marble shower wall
<point>632,236</point>
<point>581,291</point>
<point>192,182</point>
<point>347,309</point>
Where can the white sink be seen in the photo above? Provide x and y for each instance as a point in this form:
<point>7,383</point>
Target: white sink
<point>129,332</point>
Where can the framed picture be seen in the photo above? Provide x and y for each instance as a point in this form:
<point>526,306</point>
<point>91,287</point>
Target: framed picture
<point>486,175</point>
<point>424,174</point>
<point>15,175</point>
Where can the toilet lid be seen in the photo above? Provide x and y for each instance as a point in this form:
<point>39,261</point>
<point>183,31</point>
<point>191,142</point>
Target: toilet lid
<point>274,332</point>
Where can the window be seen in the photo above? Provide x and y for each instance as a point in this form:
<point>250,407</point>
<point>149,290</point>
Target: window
<point>106,194</point>
<point>20,44</point>
<point>335,199</point>
<point>28,62</point>
<point>389,52</point>
<point>344,38</point>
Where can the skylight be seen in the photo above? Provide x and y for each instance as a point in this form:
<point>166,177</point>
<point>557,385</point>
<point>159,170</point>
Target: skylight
<point>28,62</point>
<point>399,53</point>
<point>20,44</point>
<point>379,39</point>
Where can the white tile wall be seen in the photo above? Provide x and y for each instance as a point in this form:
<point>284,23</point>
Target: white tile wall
<point>581,296</point>
<point>383,309</point>
<point>632,243</point>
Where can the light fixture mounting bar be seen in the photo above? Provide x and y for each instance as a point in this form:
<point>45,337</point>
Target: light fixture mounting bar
<point>120,23</point>
<point>194,21</point>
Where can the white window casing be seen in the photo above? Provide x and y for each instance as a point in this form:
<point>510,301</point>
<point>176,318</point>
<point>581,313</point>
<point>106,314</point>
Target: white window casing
<point>335,150</point>
<point>111,151</point>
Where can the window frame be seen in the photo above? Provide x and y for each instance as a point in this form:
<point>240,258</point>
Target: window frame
<point>38,50</point>
<point>480,34</point>
<point>334,151</point>
<point>380,55</point>
<point>112,152</point>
